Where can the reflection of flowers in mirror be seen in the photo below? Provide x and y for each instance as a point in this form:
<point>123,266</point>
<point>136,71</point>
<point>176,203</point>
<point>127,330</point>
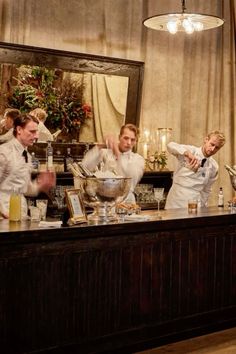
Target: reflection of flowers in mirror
<point>61,97</point>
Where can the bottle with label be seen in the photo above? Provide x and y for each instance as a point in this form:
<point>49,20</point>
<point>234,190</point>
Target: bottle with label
<point>49,156</point>
<point>221,198</point>
<point>35,162</point>
<point>68,159</point>
<point>15,206</point>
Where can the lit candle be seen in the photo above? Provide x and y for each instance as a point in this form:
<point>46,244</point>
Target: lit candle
<point>163,143</point>
<point>145,150</point>
<point>146,135</point>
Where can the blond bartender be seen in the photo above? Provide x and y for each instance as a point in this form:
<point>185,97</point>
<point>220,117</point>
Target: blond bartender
<point>16,166</point>
<point>196,171</point>
<point>117,155</point>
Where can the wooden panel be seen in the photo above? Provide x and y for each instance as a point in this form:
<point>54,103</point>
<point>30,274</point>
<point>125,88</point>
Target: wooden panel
<point>86,293</point>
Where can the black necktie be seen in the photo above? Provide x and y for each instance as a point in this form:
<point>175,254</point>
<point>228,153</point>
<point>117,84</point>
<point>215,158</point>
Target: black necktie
<point>203,162</point>
<point>24,153</point>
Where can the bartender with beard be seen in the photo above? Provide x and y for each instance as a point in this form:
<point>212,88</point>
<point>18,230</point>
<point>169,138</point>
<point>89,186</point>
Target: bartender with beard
<point>118,157</point>
<point>16,166</point>
<point>196,171</point>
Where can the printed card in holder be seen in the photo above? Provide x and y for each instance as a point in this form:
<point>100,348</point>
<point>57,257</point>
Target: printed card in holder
<point>75,206</point>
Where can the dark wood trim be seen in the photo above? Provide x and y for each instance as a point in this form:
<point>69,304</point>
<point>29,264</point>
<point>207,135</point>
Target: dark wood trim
<point>82,62</point>
<point>117,287</point>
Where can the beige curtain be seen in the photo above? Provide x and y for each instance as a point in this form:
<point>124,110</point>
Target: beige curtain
<point>107,94</point>
<point>189,81</point>
<point>108,110</point>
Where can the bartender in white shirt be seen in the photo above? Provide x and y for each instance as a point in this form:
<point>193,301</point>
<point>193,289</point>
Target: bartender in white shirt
<point>43,133</point>
<point>7,123</point>
<point>16,167</point>
<point>118,156</point>
<point>196,171</point>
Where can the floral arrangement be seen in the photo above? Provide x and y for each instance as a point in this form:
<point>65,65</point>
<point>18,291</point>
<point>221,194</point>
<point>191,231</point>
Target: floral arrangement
<point>61,98</point>
<point>157,161</point>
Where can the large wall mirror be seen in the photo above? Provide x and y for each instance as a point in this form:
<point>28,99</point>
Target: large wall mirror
<point>108,90</point>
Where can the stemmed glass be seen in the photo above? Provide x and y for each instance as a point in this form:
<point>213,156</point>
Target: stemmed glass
<point>158,195</point>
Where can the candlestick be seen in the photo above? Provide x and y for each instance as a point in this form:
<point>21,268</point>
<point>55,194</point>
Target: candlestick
<point>145,150</point>
<point>146,135</point>
<point>163,143</point>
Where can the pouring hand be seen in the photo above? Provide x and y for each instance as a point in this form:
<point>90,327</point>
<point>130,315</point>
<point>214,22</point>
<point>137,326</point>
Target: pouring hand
<point>193,162</point>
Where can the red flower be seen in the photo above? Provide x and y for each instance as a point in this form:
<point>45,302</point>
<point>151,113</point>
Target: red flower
<point>86,108</point>
<point>40,94</point>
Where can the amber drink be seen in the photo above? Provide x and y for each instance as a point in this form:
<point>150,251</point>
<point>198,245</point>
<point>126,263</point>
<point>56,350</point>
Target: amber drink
<point>15,207</point>
<point>192,206</point>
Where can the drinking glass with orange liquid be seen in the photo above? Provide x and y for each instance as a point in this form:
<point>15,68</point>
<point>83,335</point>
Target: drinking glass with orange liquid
<point>15,206</point>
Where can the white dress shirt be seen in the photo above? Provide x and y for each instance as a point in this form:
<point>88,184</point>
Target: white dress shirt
<point>7,136</point>
<point>15,174</point>
<point>188,184</point>
<point>129,164</point>
<point>43,133</point>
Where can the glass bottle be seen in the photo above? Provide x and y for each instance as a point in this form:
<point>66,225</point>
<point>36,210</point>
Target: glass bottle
<point>49,156</point>
<point>221,198</point>
<point>68,159</point>
<point>15,206</point>
<point>35,162</point>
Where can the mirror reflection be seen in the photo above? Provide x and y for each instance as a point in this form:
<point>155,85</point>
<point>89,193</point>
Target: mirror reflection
<point>80,106</point>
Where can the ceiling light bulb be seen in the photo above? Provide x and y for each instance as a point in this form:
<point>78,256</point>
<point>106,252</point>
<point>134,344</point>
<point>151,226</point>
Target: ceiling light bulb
<point>172,27</point>
<point>198,26</point>
<point>188,26</point>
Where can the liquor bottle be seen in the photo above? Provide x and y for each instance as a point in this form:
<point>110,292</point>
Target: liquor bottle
<point>49,156</point>
<point>35,162</point>
<point>231,170</point>
<point>15,206</point>
<point>68,159</point>
<point>221,198</point>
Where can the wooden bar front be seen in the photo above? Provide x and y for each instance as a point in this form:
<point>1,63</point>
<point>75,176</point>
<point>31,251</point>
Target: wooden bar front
<point>116,288</point>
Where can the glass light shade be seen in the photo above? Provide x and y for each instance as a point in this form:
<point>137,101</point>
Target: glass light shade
<point>184,22</point>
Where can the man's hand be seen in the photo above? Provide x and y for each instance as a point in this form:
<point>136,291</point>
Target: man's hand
<point>111,143</point>
<point>5,216</point>
<point>193,162</point>
<point>46,180</point>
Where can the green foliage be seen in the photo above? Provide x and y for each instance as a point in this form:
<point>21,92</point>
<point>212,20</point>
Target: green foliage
<point>61,98</point>
<point>161,159</point>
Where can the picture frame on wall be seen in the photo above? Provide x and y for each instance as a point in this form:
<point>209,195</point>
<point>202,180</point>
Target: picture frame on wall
<point>75,206</point>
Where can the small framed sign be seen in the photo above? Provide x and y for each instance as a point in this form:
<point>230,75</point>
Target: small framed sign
<point>75,206</point>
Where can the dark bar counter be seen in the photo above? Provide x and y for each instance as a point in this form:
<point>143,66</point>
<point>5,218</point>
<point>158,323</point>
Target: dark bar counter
<point>116,288</point>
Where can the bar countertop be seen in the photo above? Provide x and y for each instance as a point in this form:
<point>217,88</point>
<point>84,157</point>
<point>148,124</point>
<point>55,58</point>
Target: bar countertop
<point>27,231</point>
<point>118,287</point>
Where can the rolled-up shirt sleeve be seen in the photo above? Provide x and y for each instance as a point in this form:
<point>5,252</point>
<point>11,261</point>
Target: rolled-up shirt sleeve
<point>178,149</point>
<point>92,158</point>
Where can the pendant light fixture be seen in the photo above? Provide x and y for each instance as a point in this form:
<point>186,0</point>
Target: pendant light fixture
<point>183,21</point>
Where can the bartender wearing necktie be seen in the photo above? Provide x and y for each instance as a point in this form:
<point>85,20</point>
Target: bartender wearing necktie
<point>118,157</point>
<point>16,166</point>
<point>196,171</point>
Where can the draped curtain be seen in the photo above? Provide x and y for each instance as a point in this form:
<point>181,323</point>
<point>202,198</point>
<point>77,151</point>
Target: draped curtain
<point>107,94</point>
<point>189,80</point>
